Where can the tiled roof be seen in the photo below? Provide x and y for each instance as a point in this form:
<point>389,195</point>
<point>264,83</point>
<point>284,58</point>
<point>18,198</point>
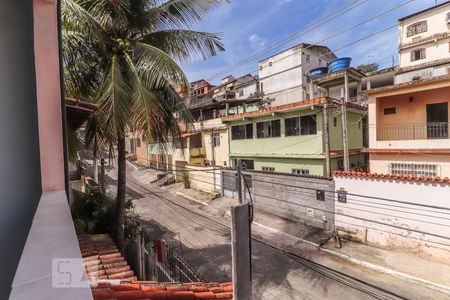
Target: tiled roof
<point>294,105</point>
<point>102,259</point>
<point>445,180</point>
<point>153,290</point>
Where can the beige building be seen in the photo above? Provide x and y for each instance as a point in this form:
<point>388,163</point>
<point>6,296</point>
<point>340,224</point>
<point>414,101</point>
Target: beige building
<point>424,49</point>
<point>409,128</point>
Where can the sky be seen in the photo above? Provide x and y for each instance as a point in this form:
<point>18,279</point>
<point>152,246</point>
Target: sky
<point>250,26</point>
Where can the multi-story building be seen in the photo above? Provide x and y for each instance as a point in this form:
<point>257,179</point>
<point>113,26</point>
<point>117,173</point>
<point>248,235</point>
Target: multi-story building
<point>292,137</point>
<point>424,44</point>
<point>284,76</point>
<point>409,128</point>
<point>201,92</point>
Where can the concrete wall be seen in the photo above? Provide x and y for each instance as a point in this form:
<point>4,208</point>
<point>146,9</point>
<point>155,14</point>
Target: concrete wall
<point>219,154</point>
<point>436,23</point>
<point>293,203</point>
<point>390,224</point>
<point>380,162</point>
<point>20,172</point>
<point>202,178</point>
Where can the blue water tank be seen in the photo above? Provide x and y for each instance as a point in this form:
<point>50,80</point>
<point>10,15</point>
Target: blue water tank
<point>317,72</point>
<point>339,64</point>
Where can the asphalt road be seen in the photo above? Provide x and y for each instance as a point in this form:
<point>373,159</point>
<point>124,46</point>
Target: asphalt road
<point>206,245</point>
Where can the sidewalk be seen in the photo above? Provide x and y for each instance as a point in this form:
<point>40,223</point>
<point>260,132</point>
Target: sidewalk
<point>358,260</point>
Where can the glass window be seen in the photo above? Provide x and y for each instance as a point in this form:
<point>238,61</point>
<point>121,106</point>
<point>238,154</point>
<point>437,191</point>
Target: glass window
<point>305,125</point>
<point>195,141</point>
<point>268,129</point>
<point>300,171</point>
<point>390,111</point>
<point>241,132</point>
<point>216,139</point>
<point>268,169</point>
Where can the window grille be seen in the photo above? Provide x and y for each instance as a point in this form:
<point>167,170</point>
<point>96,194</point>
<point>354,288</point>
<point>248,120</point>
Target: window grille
<point>412,169</point>
<point>268,169</point>
<point>300,171</point>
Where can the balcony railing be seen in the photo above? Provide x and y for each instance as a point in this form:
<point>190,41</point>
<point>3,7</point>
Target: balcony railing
<point>413,131</point>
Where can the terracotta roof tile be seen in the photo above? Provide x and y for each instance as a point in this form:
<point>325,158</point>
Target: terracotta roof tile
<point>441,180</point>
<point>112,289</point>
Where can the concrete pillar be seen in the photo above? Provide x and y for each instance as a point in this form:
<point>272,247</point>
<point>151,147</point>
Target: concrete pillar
<point>358,92</point>
<point>241,252</point>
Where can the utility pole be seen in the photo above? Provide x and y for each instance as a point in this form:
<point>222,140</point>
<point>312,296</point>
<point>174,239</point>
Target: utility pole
<point>239,180</point>
<point>241,252</point>
<point>326,126</point>
<point>344,124</point>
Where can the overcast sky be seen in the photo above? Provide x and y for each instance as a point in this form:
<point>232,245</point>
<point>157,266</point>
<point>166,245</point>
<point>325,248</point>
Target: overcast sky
<point>249,26</point>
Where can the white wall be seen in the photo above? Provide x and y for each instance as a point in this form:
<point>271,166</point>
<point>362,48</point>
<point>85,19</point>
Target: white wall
<point>436,23</point>
<point>391,224</point>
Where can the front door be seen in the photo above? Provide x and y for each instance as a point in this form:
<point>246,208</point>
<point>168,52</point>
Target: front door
<point>437,120</point>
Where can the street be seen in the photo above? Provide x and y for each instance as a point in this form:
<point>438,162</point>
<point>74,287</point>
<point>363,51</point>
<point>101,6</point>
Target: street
<point>206,245</point>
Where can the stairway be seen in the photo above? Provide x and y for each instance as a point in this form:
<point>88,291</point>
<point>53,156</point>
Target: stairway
<point>102,259</point>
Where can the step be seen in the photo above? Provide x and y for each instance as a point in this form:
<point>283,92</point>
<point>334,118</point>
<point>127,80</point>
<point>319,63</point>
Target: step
<point>112,255</point>
<point>111,271</point>
<point>125,274</point>
<point>112,260</point>
<point>94,268</point>
<point>108,251</point>
<point>96,273</point>
<point>90,258</point>
<point>115,265</point>
<point>91,263</point>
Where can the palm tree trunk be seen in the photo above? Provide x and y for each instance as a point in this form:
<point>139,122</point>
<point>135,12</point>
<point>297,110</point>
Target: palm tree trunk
<point>95,160</point>
<point>121,191</point>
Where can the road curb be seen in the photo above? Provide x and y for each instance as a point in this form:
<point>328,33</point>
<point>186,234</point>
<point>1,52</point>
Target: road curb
<point>191,198</point>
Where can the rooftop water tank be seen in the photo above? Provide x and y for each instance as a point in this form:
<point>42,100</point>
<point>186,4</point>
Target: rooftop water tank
<point>317,72</point>
<point>339,64</point>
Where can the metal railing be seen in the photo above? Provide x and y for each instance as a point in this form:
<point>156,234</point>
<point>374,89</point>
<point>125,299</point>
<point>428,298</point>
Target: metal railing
<point>413,131</point>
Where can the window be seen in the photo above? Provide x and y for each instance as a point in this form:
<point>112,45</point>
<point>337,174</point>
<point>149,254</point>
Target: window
<point>390,111</point>
<point>138,143</point>
<point>268,169</point>
<point>308,58</point>
<point>412,169</point>
<point>300,171</point>
<point>268,129</point>
<point>241,93</point>
<point>305,125</point>
<point>241,132</point>
<point>335,122</point>
<point>260,68</point>
<point>418,54</point>
<point>262,87</point>
<point>195,141</point>
<point>247,164</point>
<point>416,28</point>
<point>270,64</point>
<point>216,139</point>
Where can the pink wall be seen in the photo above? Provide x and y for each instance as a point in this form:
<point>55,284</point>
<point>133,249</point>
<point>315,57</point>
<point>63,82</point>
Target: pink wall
<point>48,94</point>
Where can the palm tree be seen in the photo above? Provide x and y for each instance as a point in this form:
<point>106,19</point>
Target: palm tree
<point>122,55</point>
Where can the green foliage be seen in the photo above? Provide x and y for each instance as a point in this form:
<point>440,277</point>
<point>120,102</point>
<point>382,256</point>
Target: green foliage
<point>186,179</point>
<point>263,102</point>
<point>94,212</point>
<point>366,68</point>
<point>73,144</point>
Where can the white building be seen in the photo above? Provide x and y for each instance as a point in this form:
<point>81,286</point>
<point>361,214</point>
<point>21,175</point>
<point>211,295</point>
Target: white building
<point>283,76</point>
<point>424,44</point>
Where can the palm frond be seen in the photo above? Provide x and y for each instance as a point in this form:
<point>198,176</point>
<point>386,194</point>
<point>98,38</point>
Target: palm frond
<point>185,44</point>
<point>155,67</point>
<point>179,13</point>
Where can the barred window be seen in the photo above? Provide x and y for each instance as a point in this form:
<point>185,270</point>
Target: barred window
<point>416,28</point>
<point>268,169</point>
<point>408,169</point>
<point>300,171</point>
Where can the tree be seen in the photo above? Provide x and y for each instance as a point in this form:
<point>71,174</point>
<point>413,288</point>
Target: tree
<point>366,68</point>
<point>263,101</point>
<point>121,54</point>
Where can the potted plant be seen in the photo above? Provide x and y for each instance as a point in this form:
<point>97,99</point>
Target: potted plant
<point>187,183</point>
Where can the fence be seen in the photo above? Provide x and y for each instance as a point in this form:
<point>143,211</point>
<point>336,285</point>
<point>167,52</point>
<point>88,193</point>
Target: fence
<point>159,257</point>
<point>409,215</point>
<point>269,193</point>
<point>398,132</point>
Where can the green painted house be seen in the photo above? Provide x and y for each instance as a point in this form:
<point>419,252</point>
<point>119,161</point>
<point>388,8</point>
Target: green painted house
<point>290,138</point>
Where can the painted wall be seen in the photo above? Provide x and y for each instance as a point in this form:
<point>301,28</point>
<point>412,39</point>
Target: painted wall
<point>202,178</point>
<point>285,165</point>
<point>268,195</point>
<point>220,153</point>
<point>354,129</point>
<point>388,224</point>
<point>379,163</point>
<point>436,23</point>
<point>407,113</point>
<point>290,146</point>
<point>20,172</point>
